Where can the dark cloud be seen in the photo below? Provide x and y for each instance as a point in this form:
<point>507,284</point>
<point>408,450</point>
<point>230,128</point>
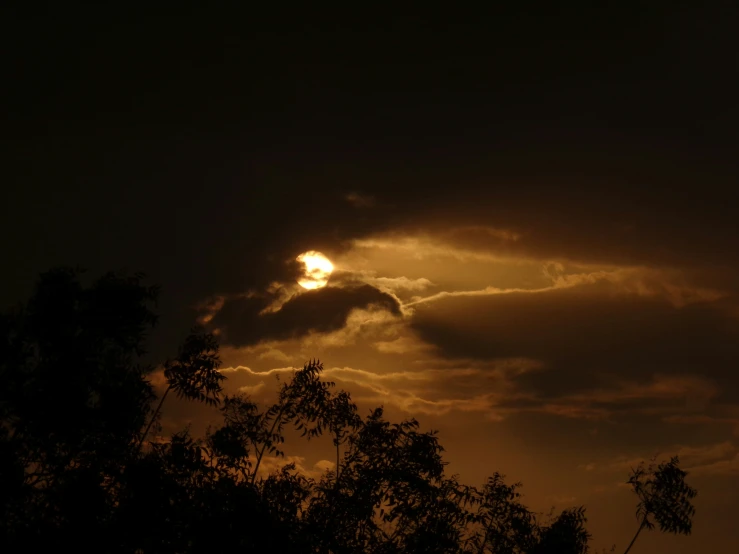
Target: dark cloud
<point>321,310</point>
<point>207,159</point>
<point>586,336</point>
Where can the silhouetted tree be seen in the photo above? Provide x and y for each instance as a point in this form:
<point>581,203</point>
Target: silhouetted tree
<point>73,397</point>
<point>566,534</point>
<point>304,402</point>
<point>505,525</point>
<point>193,374</point>
<point>388,488</point>
<point>664,498</point>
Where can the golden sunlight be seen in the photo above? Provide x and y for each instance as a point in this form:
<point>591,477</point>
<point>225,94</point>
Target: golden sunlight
<point>317,270</point>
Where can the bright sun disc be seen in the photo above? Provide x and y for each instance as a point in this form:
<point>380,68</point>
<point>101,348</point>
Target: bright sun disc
<point>317,270</point>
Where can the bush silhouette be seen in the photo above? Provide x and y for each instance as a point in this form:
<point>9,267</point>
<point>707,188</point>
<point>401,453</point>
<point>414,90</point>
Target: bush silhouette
<point>80,468</point>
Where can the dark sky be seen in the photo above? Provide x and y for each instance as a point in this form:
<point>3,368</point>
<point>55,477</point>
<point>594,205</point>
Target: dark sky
<point>532,214</point>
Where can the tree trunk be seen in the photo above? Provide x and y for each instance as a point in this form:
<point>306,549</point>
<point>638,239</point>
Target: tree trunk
<point>643,524</point>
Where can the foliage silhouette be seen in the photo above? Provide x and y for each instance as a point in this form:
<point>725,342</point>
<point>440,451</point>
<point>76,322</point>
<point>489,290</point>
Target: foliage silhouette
<point>664,498</point>
<point>193,374</point>
<point>73,397</point>
<point>80,469</point>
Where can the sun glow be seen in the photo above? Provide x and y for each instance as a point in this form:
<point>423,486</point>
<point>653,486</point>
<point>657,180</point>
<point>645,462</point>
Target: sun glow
<point>317,270</point>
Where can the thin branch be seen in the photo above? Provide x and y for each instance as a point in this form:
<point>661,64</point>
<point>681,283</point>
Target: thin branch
<point>264,446</point>
<point>151,421</point>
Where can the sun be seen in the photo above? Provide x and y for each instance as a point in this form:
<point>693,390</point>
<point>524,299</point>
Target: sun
<point>317,270</point>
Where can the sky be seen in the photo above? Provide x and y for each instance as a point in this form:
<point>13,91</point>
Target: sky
<point>530,213</point>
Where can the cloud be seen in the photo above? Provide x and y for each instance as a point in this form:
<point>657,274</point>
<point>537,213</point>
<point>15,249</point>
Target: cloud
<point>395,284</point>
<point>272,464</point>
<point>585,335</point>
<point>209,308</point>
<point>412,403</point>
<point>707,455</point>
<point>275,354</point>
<point>249,371</point>
<point>401,345</point>
<point>494,389</point>
<point>705,419</point>
<point>433,391</point>
<point>420,247</point>
<point>470,235</point>
<point>728,466</point>
<point>366,324</point>
<point>252,390</point>
<point>626,281</point>
<point>487,291</point>
<point>669,284</point>
<point>436,391</point>
<point>659,387</point>
<point>660,393</point>
<point>360,201</point>
<point>720,458</point>
<point>243,322</point>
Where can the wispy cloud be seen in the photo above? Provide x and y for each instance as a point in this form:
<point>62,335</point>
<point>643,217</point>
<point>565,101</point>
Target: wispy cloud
<point>249,371</point>
<point>360,200</point>
<point>630,281</point>
<point>720,458</point>
<point>396,284</point>
<point>209,307</point>
<point>424,247</point>
<point>253,389</point>
<point>487,291</point>
<point>402,345</point>
<point>275,354</point>
<point>436,391</point>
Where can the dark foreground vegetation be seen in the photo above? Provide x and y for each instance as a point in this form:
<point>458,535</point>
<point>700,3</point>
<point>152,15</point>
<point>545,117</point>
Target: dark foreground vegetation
<point>83,470</point>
